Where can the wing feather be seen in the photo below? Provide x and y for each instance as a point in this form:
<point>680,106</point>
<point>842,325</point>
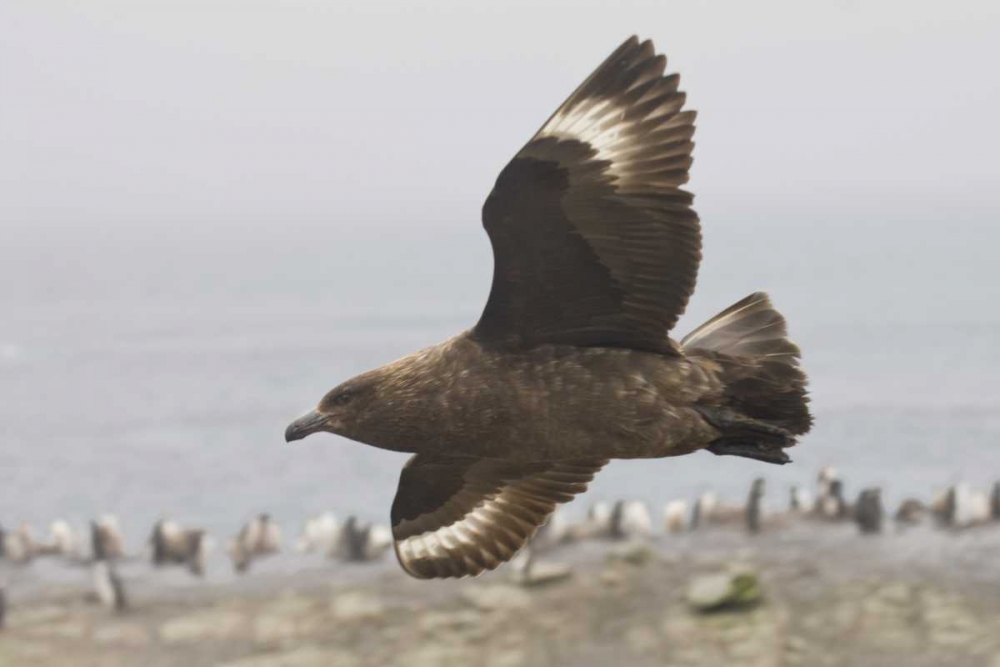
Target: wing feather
<point>459,516</point>
<point>594,241</point>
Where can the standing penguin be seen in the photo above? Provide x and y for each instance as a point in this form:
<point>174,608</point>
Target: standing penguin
<point>361,542</point>
<point>173,545</point>
<point>18,546</point>
<point>753,510</point>
<point>259,537</point>
<point>704,510</point>
<point>910,512</point>
<point>674,516</point>
<point>355,539</point>
<point>630,520</point>
<point>799,501</point>
<point>63,541</point>
<point>833,506</point>
<point>320,534</point>
<point>108,585</point>
<point>868,512</point>
<point>109,532</point>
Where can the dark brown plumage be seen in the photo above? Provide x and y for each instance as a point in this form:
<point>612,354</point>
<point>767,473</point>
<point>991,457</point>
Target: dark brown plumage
<point>596,251</point>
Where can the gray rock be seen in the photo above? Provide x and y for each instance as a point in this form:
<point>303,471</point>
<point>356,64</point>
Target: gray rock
<point>634,553</point>
<point>726,590</point>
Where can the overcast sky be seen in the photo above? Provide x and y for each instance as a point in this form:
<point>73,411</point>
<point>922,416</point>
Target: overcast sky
<point>284,115</point>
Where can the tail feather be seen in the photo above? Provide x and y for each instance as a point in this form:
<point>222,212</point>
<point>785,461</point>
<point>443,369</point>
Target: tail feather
<point>760,365</point>
<point>750,327</point>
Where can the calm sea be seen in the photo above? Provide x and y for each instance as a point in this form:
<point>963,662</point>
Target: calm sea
<point>152,374</point>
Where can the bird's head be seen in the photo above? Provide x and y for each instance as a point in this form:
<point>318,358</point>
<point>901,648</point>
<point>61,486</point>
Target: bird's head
<point>342,411</point>
<point>388,407</point>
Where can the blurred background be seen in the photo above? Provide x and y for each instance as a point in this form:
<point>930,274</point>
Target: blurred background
<point>213,212</point>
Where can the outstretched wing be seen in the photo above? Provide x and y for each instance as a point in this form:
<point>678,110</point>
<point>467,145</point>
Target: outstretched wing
<point>458,516</point>
<point>594,241</point>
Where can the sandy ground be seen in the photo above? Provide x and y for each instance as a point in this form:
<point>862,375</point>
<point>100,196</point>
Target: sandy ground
<point>832,597</point>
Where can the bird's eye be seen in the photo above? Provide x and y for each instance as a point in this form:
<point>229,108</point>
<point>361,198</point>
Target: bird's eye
<point>343,398</point>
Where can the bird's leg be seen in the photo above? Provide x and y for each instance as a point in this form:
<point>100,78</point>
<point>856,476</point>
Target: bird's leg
<point>751,449</point>
<point>732,423</point>
<point>747,437</point>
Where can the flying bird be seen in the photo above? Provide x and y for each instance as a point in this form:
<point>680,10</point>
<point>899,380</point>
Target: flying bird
<point>596,250</point>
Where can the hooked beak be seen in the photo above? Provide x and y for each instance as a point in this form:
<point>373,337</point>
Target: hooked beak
<point>307,424</point>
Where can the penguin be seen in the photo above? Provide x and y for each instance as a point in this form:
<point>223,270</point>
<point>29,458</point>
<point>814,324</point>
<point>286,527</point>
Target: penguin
<point>360,542</point>
<point>910,512</point>
<point>673,516</point>
<point>703,511</point>
<point>198,548</point>
<point>110,534</point>
<point>995,502</point>
<point>831,504</point>
<point>596,524</point>
<point>599,518</point>
<point>799,501</point>
<point>108,586</point>
<point>753,509</point>
<point>553,532</point>
<point>259,537</point>
<point>173,545</point>
<point>319,534</point>
<point>824,479</point>
<point>18,546</point>
<point>709,511</point>
<point>63,541</point>
<point>868,512</point>
<point>630,520</point>
<point>962,507</point>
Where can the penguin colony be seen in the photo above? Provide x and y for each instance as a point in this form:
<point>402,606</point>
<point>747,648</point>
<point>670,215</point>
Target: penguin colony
<point>172,545</point>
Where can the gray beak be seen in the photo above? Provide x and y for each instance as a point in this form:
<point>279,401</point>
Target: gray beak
<point>307,424</point>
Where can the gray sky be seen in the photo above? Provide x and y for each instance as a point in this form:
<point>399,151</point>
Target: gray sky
<point>306,115</point>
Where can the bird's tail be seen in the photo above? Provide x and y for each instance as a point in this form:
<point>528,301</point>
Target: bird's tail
<point>766,404</point>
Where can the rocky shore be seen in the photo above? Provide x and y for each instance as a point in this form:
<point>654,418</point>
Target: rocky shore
<point>827,597</point>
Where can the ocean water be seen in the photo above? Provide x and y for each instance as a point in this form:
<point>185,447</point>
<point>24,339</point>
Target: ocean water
<point>151,373</point>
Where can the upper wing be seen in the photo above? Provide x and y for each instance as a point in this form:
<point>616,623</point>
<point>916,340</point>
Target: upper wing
<point>594,241</point>
<point>456,516</point>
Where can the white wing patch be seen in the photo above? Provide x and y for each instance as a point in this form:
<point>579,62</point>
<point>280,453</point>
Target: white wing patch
<point>630,114</point>
<point>475,530</point>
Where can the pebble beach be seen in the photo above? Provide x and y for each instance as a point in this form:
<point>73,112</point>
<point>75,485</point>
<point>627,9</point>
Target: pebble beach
<point>829,596</point>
